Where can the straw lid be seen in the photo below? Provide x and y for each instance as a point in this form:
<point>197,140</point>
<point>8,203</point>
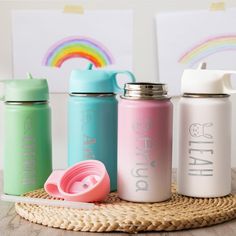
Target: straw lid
<point>24,90</point>
<point>96,81</point>
<point>203,81</point>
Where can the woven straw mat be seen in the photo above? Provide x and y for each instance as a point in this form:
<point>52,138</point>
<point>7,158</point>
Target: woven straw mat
<point>116,215</point>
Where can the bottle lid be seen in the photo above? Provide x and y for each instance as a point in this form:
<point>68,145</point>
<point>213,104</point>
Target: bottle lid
<point>24,90</point>
<point>145,91</point>
<point>86,181</point>
<point>203,81</point>
<point>96,81</point>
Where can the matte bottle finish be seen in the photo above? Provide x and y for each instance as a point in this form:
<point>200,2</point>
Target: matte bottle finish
<point>93,131</point>
<point>204,146</point>
<point>144,150</point>
<point>27,146</point>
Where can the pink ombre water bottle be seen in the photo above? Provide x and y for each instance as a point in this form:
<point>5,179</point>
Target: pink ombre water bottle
<point>144,143</point>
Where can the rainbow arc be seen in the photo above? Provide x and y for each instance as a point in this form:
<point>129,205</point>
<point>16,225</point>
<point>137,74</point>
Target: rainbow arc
<point>77,47</point>
<point>207,48</point>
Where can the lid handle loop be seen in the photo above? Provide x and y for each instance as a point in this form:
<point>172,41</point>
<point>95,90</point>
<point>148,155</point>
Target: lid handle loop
<point>227,84</point>
<point>130,76</point>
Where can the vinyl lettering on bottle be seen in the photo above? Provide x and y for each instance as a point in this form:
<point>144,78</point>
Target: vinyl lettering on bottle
<point>201,153</point>
<point>28,152</point>
<point>88,140</point>
<point>143,151</point>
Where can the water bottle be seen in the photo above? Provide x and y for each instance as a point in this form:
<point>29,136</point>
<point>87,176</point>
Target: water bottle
<point>27,135</point>
<point>204,168</point>
<point>144,143</point>
<point>92,122</point>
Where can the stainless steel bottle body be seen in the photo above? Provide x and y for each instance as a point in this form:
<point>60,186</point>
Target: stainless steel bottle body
<point>204,168</point>
<point>144,143</point>
<point>92,133</point>
<point>27,146</point>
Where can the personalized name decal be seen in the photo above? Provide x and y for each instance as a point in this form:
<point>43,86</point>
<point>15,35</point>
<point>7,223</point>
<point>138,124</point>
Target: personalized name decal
<point>200,150</point>
<point>143,153</point>
<point>88,140</point>
<point>29,153</point>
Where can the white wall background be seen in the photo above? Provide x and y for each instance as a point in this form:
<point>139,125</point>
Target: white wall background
<point>144,56</point>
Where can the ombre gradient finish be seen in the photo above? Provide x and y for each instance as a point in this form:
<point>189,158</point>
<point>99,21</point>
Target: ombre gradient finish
<point>144,150</point>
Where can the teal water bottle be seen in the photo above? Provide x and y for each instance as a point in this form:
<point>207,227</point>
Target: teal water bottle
<point>92,121</point>
<point>27,136</point>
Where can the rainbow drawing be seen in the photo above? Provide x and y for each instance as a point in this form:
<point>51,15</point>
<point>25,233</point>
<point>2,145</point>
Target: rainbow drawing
<point>208,47</point>
<point>77,47</point>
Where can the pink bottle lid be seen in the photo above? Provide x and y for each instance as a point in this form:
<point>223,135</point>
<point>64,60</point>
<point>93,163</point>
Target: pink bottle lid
<point>86,181</point>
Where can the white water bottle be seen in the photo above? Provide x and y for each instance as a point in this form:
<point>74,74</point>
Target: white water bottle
<point>204,168</point>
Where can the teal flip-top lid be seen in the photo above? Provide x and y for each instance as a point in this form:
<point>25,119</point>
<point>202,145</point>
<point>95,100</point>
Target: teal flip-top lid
<point>24,90</point>
<point>96,81</point>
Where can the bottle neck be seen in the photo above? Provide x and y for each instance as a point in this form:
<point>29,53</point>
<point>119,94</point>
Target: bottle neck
<point>151,91</point>
<point>201,95</point>
<point>92,94</point>
<point>26,102</point>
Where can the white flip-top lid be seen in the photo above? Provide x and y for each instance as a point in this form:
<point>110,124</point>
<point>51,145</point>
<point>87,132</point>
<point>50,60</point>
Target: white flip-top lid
<point>203,81</point>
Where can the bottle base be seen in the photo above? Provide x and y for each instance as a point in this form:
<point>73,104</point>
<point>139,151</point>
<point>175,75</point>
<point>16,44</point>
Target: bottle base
<point>163,199</point>
<point>204,195</point>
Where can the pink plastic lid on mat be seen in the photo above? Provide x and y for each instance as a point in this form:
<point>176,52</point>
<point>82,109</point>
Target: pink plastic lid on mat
<point>86,181</point>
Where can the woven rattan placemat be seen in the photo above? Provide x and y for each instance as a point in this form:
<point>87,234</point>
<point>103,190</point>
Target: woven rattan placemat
<point>116,215</point>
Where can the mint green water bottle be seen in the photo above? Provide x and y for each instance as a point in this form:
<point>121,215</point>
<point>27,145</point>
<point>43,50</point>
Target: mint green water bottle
<point>27,144</point>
